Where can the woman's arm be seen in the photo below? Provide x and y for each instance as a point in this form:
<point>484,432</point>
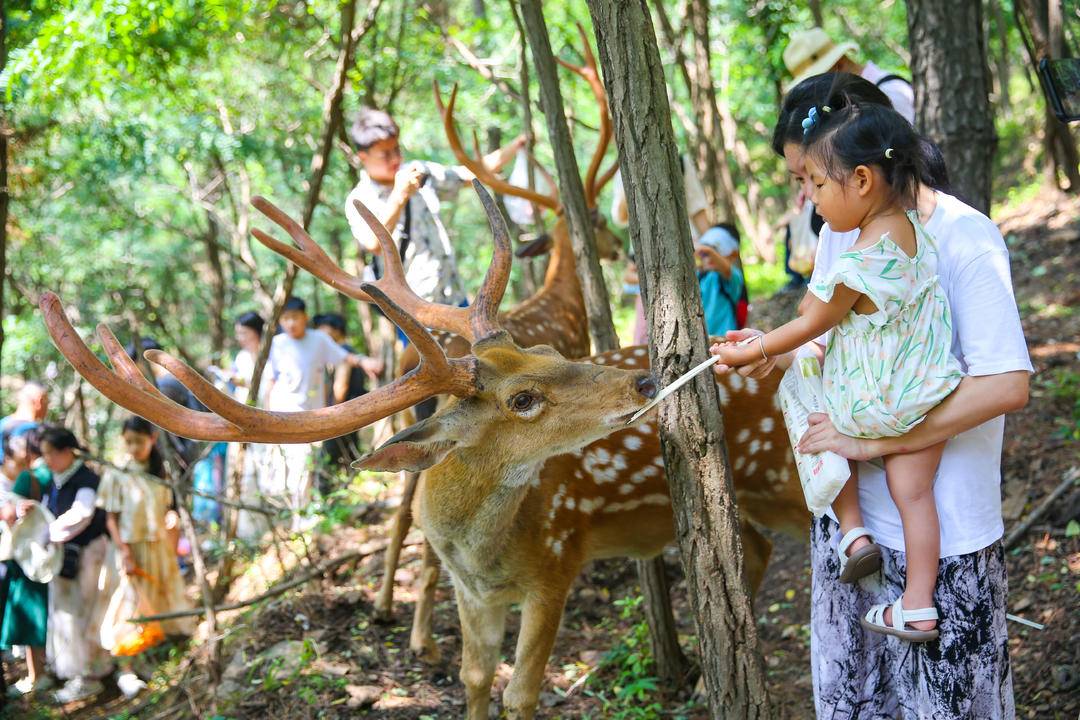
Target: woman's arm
<point>975,400</point>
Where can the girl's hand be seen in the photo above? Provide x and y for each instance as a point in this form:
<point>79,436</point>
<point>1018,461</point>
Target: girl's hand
<point>757,367</point>
<point>23,507</point>
<point>823,436</point>
<point>172,520</point>
<point>731,356</point>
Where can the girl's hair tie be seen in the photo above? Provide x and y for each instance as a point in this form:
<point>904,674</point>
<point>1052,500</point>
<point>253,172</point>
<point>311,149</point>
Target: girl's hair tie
<point>889,153</point>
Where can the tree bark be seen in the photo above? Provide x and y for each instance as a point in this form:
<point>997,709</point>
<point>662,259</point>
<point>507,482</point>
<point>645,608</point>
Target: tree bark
<point>571,190</point>
<point>691,427</point>
<point>952,89</point>
<point>218,289</point>
<point>5,191</point>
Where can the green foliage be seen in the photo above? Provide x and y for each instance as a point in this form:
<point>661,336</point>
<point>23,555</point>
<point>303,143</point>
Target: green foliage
<point>633,688</point>
<point>1064,384</point>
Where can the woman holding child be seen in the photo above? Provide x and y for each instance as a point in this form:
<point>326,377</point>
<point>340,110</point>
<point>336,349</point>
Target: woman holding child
<point>872,657</point>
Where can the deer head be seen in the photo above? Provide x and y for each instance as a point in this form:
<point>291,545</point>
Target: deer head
<point>501,381</point>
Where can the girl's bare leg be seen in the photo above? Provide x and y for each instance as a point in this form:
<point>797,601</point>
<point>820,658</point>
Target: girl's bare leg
<point>35,663</point>
<point>846,507</point>
<point>911,484</point>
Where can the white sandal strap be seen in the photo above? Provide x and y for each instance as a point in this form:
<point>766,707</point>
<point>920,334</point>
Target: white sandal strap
<point>845,542</point>
<point>876,615</point>
<point>919,614</point>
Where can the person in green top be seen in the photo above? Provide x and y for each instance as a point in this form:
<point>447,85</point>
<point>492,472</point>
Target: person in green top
<point>24,613</point>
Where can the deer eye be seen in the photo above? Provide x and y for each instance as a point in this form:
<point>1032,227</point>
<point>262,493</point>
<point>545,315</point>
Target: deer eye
<point>524,401</point>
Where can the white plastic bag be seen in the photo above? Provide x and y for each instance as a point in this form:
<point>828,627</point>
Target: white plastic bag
<point>519,209</point>
<point>822,474</point>
<point>804,241</point>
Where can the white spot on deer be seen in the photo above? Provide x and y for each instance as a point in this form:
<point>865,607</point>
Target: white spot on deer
<point>645,429</point>
<point>556,547</point>
<point>776,402</point>
<point>570,503</point>
<point>578,475</point>
<point>751,386</point>
<point>626,489</point>
<point>766,446</point>
<point>640,352</point>
<point>767,424</point>
<point>785,474</point>
<point>644,474</point>
<point>548,540</point>
<point>631,442</point>
<point>755,445</point>
<point>656,499</point>
<point>601,466</point>
<point>723,393</point>
<point>735,380</point>
<point>658,461</point>
<point>599,360</point>
<point>751,468</point>
<point>740,463</point>
<point>616,357</point>
<point>622,506</point>
<point>629,362</point>
<point>743,436</point>
<point>588,505</point>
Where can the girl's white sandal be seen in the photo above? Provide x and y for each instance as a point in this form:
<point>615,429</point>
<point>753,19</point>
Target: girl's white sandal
<point>875,622</point>
<point>864,561</point>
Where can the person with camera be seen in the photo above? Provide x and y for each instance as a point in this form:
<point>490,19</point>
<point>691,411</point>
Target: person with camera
<point>406,197</point>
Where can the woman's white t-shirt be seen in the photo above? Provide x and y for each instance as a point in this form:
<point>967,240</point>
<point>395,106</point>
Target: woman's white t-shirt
<point>973,267</point>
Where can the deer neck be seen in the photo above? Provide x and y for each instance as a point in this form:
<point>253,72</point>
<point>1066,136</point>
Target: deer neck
<point>470,510</point>
<point>561,271</point>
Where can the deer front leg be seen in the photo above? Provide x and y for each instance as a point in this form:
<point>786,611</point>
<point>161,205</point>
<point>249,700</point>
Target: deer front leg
<point>540,619</point>
<point>384,603</point>
<point>482,630</point>
<point>422,640</point>
<point>756,551</point>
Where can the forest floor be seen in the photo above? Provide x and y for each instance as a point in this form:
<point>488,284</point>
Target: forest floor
<point>319,653</point>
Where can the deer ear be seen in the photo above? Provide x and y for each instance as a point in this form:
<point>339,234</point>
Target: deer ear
<point>414,449</point>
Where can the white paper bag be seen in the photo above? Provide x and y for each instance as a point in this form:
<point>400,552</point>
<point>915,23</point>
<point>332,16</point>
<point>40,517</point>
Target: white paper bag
<point>822,474</point>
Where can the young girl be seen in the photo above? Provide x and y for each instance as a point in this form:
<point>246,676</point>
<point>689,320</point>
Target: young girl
<point>888,360</point>
<point>139,518</point>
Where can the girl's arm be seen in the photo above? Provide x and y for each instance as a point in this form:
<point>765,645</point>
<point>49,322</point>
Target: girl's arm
<point>818,317</point>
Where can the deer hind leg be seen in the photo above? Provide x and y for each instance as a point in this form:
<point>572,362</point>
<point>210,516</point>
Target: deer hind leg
<point>482,630</point>
<point>384,602</point>
<point>422,640</point>
<point>756,551</point>
<point>540,619</point>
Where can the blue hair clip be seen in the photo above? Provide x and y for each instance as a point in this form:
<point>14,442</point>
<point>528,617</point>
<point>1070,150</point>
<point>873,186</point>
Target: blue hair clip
<point>812,119</point>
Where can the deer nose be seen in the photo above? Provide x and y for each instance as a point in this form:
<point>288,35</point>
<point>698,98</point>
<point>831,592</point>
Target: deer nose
<point>646,385</point>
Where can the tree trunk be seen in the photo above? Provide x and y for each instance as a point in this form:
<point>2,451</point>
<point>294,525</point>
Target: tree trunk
<point>571,190</point>
<point>815,10</point>
<point>218,290</point>
<point>5,191</point>
<point>952,88</point>
<point>691,427</point>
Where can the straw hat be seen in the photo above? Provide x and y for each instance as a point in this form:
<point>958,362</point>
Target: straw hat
<point>39,559</point>
<point>812,52</point>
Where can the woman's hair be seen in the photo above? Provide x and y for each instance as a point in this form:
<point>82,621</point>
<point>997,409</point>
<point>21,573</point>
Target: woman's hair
<point>839,140</point>
<point>334,320</point>
<point>142,426</point>
<point>371,126</point>
<point>837,90</point>
<point>28,440</point>
<point>253,321</point>
<point>59,438</point>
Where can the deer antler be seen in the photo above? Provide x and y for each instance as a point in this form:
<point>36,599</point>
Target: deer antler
<point>476,165</point>
<point>591,75</point>
<point>470,323</point>
<point>233,421</point>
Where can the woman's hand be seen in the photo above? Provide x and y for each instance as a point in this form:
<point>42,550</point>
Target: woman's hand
<point>822,436</point>
<point>758,368</point>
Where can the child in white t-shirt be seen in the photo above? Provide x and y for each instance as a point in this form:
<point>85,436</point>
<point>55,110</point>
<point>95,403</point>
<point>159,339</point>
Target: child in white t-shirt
<point>297,366</point>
